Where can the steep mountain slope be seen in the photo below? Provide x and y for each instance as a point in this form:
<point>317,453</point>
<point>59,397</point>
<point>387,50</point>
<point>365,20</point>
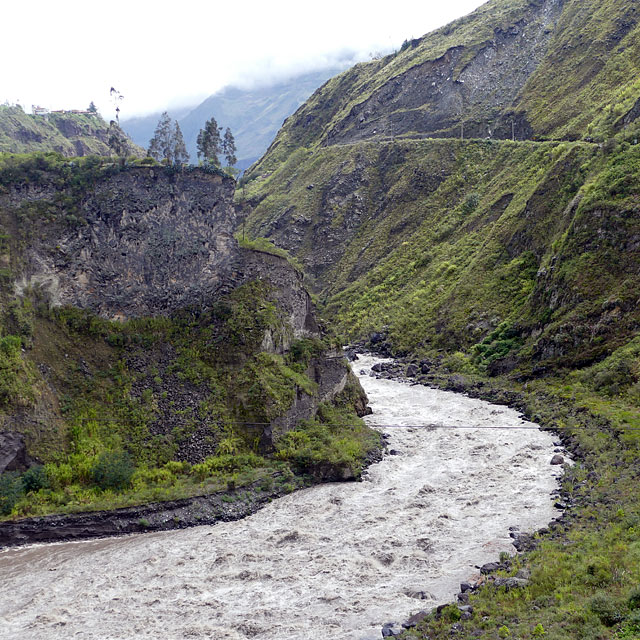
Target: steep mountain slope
<point>504,268</point>
<point>446,242</point>
<point>66,133</point>
<point>523,69</point>
<point>253,115</point>
<point>138,337</point>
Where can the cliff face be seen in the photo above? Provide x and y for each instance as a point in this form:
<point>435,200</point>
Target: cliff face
<point>134,300</point>
<point>143,243</point>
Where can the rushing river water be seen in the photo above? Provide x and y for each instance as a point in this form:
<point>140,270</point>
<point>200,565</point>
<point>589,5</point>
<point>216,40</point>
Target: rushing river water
<point>334,561</point>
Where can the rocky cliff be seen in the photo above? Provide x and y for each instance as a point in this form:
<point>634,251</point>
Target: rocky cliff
<point>132,321</point>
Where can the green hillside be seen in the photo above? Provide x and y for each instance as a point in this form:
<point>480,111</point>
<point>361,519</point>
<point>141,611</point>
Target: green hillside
<point>471,204</point>
<point>67,133</point>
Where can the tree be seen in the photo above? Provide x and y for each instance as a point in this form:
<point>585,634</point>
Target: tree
<point>162,146</point>
<point>117,140</point>
<point>116,98</point>
<point>180,155</point>
<point>92,108</point>
<point>229,148</point>
<point>209,143</point>
<point>167,144</point>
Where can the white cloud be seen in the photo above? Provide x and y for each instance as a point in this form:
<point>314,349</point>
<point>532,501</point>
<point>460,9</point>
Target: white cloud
<point>63,55</point>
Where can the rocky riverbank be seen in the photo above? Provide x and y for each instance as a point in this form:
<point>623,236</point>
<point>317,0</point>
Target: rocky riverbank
<point>570,494</point>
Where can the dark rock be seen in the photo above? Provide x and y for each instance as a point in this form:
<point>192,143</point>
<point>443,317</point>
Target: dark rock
<point>13,453</point>
<point>491,567</point>
<point>393,452</point>
<point>511,583</point>
<point>412,370</point>
<point>377,367</point>
<point>557,459</point>
<point>415,619</point>
<point>351,355</point>
<point>392,629</point>
<point>465,586</point>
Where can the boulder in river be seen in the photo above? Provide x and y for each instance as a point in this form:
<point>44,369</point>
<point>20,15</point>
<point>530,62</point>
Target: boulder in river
<point>557,459</point>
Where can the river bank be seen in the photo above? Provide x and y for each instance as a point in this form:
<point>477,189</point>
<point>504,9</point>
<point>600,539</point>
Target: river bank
<point>334,560</point>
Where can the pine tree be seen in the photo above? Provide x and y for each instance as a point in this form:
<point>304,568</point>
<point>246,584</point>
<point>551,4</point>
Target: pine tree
<point>229,148</point>
<point>180,155</point>
<point>92,108</point>
<point>208,142</point>
<point>162,145</point>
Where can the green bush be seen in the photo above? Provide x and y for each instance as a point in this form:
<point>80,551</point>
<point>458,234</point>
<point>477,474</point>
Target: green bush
<point>634,599</point>
<point>606,608</point>
<point>10,491</point>
<point>35,479</point>
<point>113,470</point>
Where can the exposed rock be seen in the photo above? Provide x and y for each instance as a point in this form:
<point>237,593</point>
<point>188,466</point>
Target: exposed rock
<point>392,629</point>
<point>412,370</point>
<point>13,453</point>
<point>415,619</point>
<point>491,567</point>
<point>511,583</point>
<point>557,459</point>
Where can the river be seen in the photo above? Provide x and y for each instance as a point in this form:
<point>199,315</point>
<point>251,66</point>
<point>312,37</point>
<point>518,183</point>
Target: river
<point>336,560</point>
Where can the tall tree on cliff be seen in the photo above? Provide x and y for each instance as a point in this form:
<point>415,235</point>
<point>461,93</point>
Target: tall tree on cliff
<point>162,145</point>
<point>180,155</point>
<point>208,143</point>
<point>229,148</point>
<point>117,140</point>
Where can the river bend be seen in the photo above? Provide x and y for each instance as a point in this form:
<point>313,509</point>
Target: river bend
<point>336,560</point>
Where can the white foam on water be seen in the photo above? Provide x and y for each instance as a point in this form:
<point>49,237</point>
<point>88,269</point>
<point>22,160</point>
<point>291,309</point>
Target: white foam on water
<point>336,560</point>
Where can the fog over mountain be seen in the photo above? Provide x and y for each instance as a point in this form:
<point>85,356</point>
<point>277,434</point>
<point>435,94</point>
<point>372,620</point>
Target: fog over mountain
<point>254,115</point>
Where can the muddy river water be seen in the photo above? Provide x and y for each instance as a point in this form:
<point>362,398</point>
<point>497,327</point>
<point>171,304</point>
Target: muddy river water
<point>333,561</point>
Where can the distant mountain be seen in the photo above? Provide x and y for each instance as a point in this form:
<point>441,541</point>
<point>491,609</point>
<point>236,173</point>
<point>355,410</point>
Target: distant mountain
<point>71,134</point>
<point>253,115</point>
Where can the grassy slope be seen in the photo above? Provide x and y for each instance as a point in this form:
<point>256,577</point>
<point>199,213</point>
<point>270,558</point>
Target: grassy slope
<point>68,134</point>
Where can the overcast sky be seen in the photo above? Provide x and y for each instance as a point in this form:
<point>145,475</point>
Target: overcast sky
<point>62,55</point>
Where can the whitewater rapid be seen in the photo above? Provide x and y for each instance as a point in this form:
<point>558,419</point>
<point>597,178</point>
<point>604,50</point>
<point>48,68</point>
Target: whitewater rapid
<point>336,560</point>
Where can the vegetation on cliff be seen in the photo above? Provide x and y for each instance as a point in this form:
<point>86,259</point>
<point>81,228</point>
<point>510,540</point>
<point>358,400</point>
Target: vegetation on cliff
<point>159,406</point>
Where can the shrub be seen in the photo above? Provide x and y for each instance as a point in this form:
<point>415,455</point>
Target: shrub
<point>10,491</point>
<point>113,470</point>
<point>59,475</point>
<point>470,203</point>
<point>606,608</point>
<point>634,599</point>
<point>35,479</point>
